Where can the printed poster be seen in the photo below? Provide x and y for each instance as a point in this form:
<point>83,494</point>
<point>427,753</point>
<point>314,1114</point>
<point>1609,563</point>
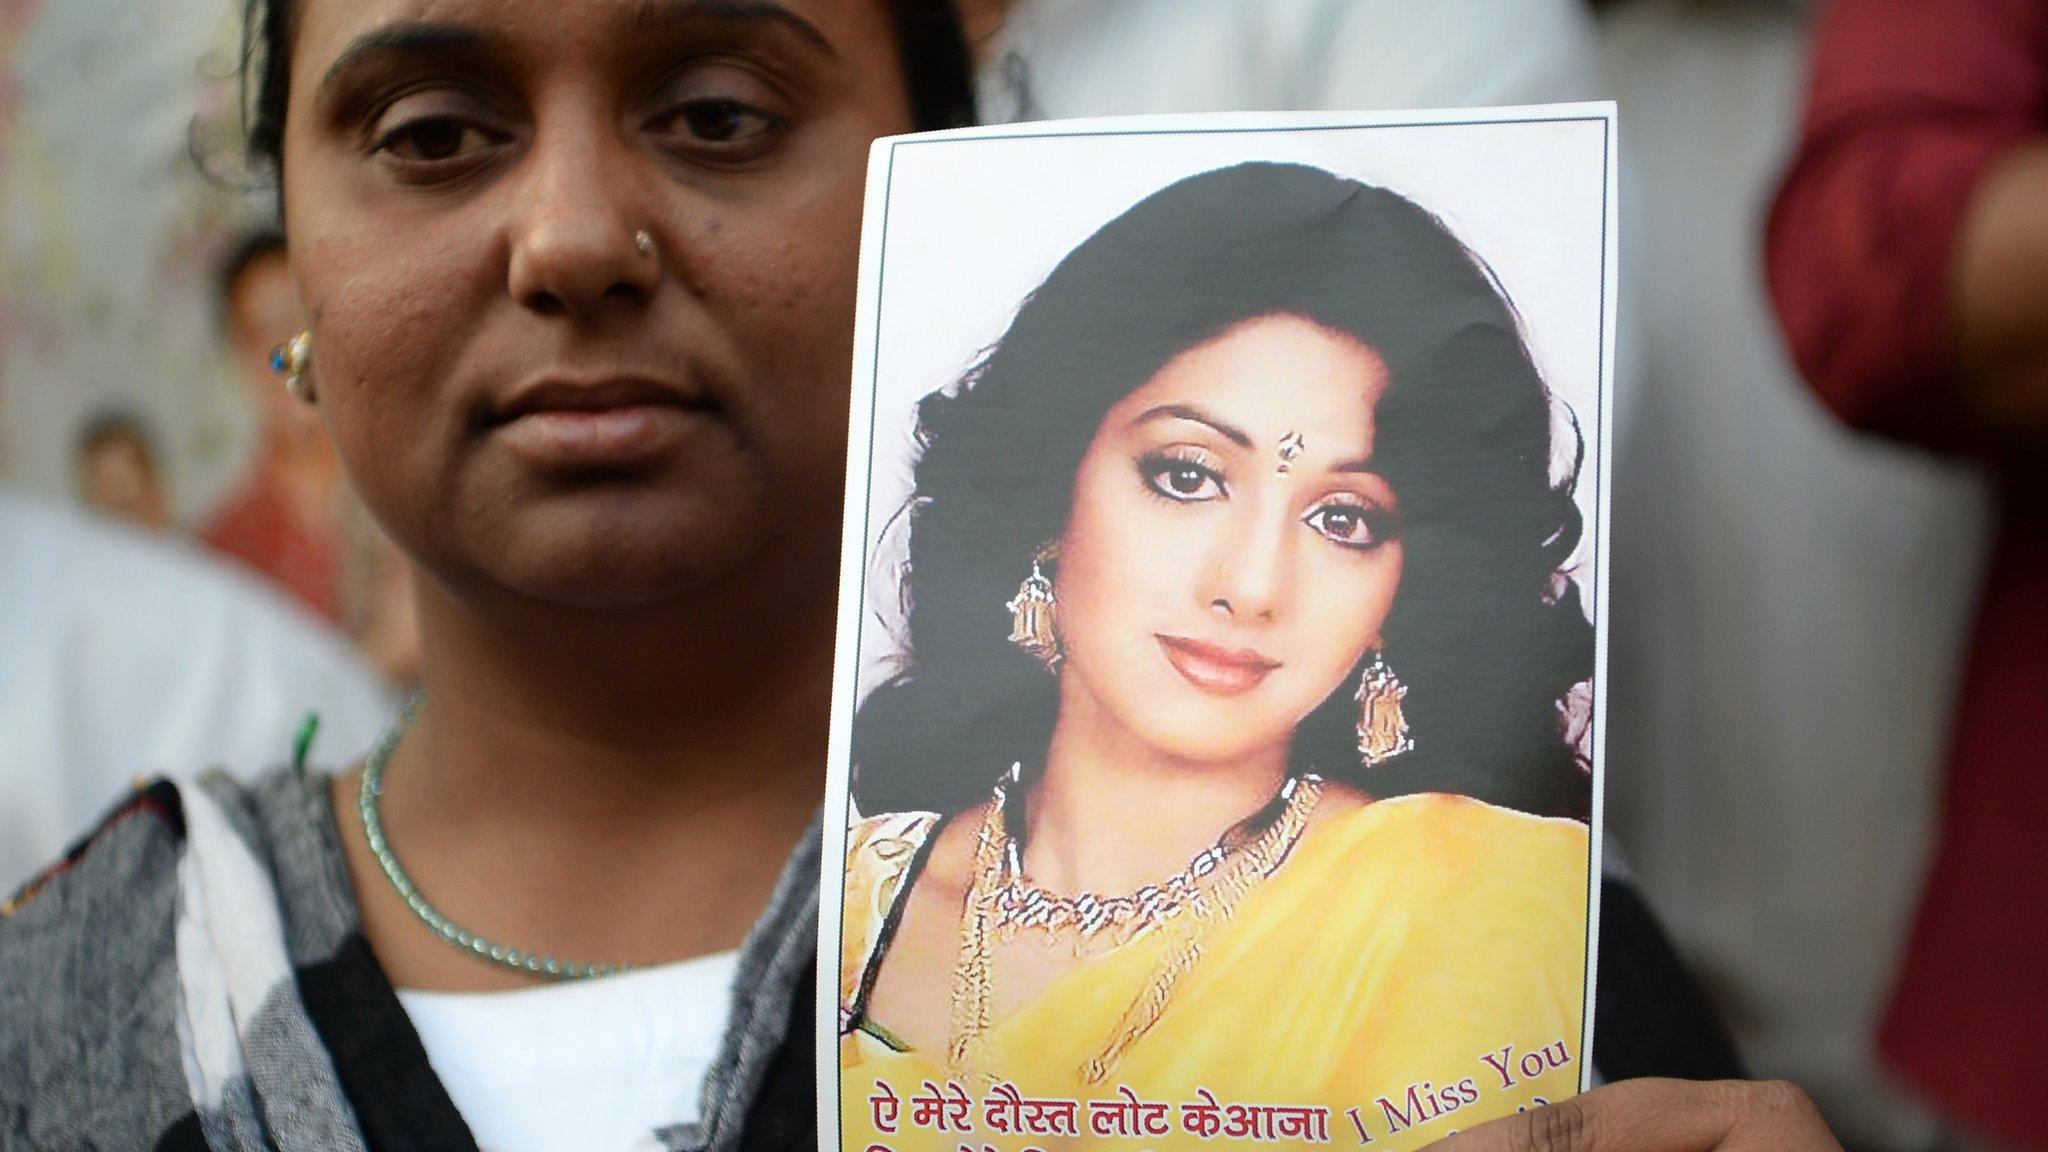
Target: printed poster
<point>1217,742</point>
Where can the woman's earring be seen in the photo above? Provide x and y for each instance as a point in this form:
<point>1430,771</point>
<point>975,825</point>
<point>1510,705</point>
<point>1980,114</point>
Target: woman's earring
<point>1382,729</point>
<point>289,360</point>
<point>1031,614</point>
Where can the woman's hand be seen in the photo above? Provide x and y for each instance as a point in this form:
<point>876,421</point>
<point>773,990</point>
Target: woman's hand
<point>1660,1116</point>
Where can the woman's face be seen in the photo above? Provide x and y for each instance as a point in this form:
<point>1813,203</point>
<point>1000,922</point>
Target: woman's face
<point>529,397</point>
<point>1209,599</point>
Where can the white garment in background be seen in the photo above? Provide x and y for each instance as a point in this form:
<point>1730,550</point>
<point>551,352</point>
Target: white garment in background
<point>123,655</point>
<point>1055,58</point>
<point>584,1066</point>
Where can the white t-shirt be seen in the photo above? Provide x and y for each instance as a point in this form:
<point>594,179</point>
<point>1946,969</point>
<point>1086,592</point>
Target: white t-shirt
<point>582,1066</point>
<point>123,655</point>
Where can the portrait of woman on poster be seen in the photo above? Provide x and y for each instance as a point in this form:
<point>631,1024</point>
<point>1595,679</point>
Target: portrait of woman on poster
<point>1226,748</point>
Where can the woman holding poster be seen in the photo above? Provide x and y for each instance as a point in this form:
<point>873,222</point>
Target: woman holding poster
<point>1262,800</point>
<point>580,282</point>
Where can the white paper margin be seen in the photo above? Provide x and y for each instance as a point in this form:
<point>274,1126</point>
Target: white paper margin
<point>1610,288</point>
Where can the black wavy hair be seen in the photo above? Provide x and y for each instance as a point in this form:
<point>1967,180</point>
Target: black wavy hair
<point>931,48</point>
<point>1485,631</point>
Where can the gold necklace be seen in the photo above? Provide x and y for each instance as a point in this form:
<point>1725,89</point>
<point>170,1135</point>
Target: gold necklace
<point>1021,903</point>
<point>995,910</point>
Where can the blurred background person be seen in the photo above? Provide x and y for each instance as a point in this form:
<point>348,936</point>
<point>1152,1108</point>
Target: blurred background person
<point>1789,599</point>
<point>123,654</point>
<point>109,239</point>
<point>1909,261</point>
<point>291,515</point>
<point>284,516</point>
<point>115,471</point>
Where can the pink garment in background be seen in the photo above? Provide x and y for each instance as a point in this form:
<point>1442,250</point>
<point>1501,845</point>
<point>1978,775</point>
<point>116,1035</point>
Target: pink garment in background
<point>1911,103</point>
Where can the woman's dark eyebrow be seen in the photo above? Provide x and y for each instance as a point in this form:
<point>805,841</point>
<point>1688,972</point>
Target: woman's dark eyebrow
<point>1363,466</point>
<point>655,13</point>
<point>1185,412</point>
<point>409,36</point>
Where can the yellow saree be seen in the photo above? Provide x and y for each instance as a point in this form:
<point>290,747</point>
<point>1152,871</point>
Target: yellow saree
<point>1413,968</point>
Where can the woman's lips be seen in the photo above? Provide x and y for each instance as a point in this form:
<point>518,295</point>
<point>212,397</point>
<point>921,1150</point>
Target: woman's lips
<point>1214,669</point>
<point>618,436</point>
<point>606,423</point>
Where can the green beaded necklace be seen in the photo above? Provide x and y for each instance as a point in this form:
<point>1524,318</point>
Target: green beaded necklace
<point>534,963</point>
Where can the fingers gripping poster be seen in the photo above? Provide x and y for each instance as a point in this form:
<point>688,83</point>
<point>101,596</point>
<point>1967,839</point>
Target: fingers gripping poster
<point>1217,734</point>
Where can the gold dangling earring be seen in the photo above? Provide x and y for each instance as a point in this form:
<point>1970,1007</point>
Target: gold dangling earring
<point>1382,729</point>
<point>1031,614</point>
<point>289,360</point>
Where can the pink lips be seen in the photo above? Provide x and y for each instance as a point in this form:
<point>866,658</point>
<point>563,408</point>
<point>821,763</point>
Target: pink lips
<point>597,424</point>
<point>1215,669</point>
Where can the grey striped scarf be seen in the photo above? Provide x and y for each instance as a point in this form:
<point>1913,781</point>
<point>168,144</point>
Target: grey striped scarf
<point>193,976</point>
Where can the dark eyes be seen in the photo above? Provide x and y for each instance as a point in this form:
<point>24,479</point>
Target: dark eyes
<point>422,143</point>
<point>434,136</point>
<point>723,109</point>
<point>1189,479</point>
<point>1352,525</point>
<point>433,140</point>
<point>722,122</point>
<point>1181,478</point>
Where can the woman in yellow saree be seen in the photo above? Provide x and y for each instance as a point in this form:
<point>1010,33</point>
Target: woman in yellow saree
<point>1259,823</point>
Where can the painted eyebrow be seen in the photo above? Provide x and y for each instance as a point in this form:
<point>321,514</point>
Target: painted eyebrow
<point>656,13</point>
<point>408,36</point>
<point>1361,466</point>
<point>1229,432</point>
